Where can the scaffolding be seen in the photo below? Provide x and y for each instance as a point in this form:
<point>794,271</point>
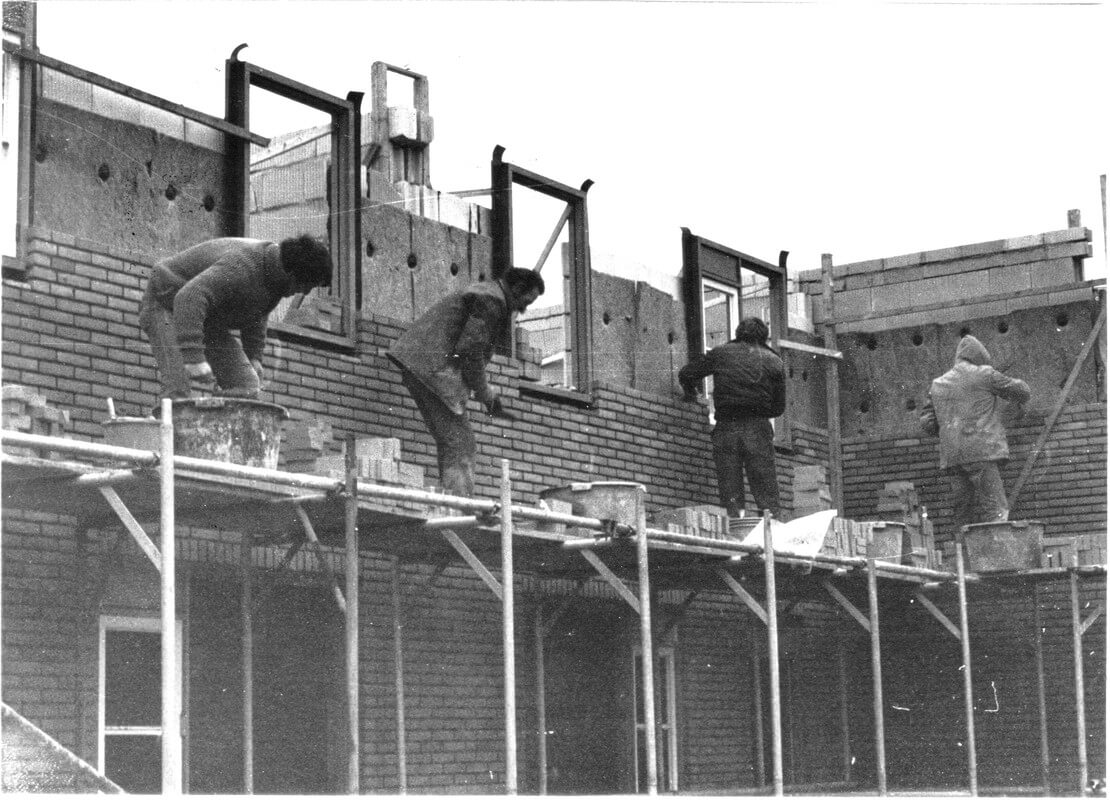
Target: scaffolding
<point>352,513</point>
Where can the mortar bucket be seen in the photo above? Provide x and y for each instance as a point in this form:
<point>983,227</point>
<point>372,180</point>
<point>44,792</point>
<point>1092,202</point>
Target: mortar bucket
<point>140,433</point>
<point>228,429</point>
<point>1006,545</point>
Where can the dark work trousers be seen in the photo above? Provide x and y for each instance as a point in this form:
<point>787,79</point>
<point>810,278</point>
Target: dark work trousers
<point>455,444</point>
<point>223,351</point>
<point>978,494</point>
<point>746,446</point>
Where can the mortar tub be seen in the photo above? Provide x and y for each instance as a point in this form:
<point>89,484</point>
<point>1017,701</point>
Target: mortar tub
<point>886,541</point>
<point>1002,546</point>
<point>229,429</point>
<point>140,433</point>
<point>614,500</point>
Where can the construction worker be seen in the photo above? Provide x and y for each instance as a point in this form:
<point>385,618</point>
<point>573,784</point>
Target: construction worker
<point>443,357</point>
<point>195,299</point>
<point>749,388</point>
<point>964,409</point>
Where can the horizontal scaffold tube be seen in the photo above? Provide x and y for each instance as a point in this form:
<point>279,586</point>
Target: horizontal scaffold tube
<point>79,446</point>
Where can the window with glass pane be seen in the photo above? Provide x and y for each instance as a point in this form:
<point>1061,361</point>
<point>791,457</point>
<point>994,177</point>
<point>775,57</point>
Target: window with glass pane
<point>132,709</point>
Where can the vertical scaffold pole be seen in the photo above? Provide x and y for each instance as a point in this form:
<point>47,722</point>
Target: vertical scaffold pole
<point>508,629</point>
<point>757,716</point>
<point>1042,704</point>
<point>351,622</point>
<point>247,648</point>
<point>647,652</point>
<point>541,703</point>
<point>1080,693</point>
<point>965,647</point>
<point>773,655</point>
<point>845,730</point>
<point>399,677</point>
<point>171,681</point>
<point>876,675</point>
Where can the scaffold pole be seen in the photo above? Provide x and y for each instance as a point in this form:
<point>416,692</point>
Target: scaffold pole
<point>647,651</point>
<point>773,655</point>
<point>965,647</point>
<point>876,677</point>
<point>171,683</point>
<point>508,629</point>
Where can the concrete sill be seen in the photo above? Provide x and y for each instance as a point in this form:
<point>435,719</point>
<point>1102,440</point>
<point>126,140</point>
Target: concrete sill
<point>300,335</point>
<point>555,394</point>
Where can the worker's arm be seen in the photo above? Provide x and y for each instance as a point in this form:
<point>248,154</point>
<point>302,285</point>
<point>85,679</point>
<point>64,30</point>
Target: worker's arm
<point>1013,389</point>
<point>928,418</point>
<point>474,346</point>
<point>253,338</point>
<point>691,376</point>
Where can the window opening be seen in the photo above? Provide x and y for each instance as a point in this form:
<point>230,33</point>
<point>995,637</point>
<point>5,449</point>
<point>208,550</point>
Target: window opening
<point>9,144</point>
<point>666,735</point>
<point>543,228</point>
<point>305,181</point>
<point>130,700</point>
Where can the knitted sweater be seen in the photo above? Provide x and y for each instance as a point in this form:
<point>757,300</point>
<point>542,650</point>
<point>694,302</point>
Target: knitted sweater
<point>229,283</point>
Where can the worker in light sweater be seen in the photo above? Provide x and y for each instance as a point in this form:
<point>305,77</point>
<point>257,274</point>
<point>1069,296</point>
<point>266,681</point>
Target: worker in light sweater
<point>195,299</point>
<point>965,410</point>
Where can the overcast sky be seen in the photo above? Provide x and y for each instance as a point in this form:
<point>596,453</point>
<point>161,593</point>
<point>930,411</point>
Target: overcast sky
<point>860,130</point>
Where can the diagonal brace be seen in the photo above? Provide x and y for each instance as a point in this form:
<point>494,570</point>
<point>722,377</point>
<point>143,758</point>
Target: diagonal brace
<point>847,604</point>
<point>743,594</point>
<point>936,612</point>
<point>133,526</point>
<point>1090,620</point>
<point>611,578</point>
<point>473,560</point>
<point>317,552</point>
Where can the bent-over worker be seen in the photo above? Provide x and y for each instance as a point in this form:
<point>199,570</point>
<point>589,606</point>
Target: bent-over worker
<point>443,357</point>
<point>965,410</point>
<point>749,388</point>
<point>196,298</point>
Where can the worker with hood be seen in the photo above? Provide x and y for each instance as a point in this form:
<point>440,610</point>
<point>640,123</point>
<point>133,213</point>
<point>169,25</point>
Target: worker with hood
<point>749,388</point>
<point>443,357</point>
<point>965,410</point>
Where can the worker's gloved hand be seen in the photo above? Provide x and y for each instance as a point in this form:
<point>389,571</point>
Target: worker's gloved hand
<point>201,377</point>
<point>494,407</point>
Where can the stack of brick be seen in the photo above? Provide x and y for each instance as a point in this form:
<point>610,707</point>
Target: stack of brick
<point>379,461</point>
<point>303,443</point>
<point>1070,551</point>
<point>841,538</point>
<point>811,489</point>
<point>707,521</point>
<point>530,357</point>
<point>27,411</point>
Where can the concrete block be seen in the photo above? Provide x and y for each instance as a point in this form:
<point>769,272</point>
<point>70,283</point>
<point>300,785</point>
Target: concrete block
<point>1012,278</point>
<point>374,447</point>
<point>380,191</point>
<point>454,211</point>
<point>115,106</point>
<point>1067,235</point>
<point>403,125</point>
<point>1055,272</point>
<point>891,296</point>
<point>901,262</point>
<point>164,122</point>
<point>1023,242</point>
<point>66,89</point>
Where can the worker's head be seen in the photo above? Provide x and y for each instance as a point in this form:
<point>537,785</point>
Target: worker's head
<point>752,330</point>
<point>972,350</point>
<point>308,263</point>
<point>523,285</point>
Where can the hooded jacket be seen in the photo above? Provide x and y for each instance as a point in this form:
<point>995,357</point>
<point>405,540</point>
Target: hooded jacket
<point>231,283</point>
<point>965,407</point>
<point>448,346</point>
<point>748,379</point>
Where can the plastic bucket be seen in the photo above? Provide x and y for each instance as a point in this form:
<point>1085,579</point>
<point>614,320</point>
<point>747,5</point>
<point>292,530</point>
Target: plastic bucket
<point>228,429</point>
<point>1000,546</point>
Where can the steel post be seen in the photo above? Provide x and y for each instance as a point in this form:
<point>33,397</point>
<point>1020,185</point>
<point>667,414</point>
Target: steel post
<point>773,656</point>
<point>399,676</point>
<point>647,651</point>
<point>171,681</point>
<point>541,702</point>
<point>247,647</point>
<point>351,618</point>
<point>508,641</point>
<point>965,648</point>
<point>1042,704</point>
<point>1080,693</point>
<point>876,676</point>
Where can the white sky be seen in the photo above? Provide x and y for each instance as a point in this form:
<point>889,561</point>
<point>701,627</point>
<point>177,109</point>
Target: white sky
<point>860,130</point>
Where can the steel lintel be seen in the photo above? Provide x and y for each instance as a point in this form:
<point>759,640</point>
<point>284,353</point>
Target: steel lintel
<point>936,612</point>
<point>611,578</point>
<point>133,526</point>
<point>847,604</point>
<point>743,594</point>
<point>474,562</point>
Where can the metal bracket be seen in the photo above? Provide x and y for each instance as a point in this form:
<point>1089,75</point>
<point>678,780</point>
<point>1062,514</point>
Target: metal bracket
<point>133,526</point>
<point>611,578</point>
<point>742,593</point>
<point>847,604</point>
<point>473,560</point>
<point>936,612</point>
<point>1090,620</point>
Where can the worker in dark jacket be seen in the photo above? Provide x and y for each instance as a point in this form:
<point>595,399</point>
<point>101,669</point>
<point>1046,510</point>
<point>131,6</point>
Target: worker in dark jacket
<point>965,409</point>
<point>749,387</point>
<point>443,357</point>
<point>195,299</point>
